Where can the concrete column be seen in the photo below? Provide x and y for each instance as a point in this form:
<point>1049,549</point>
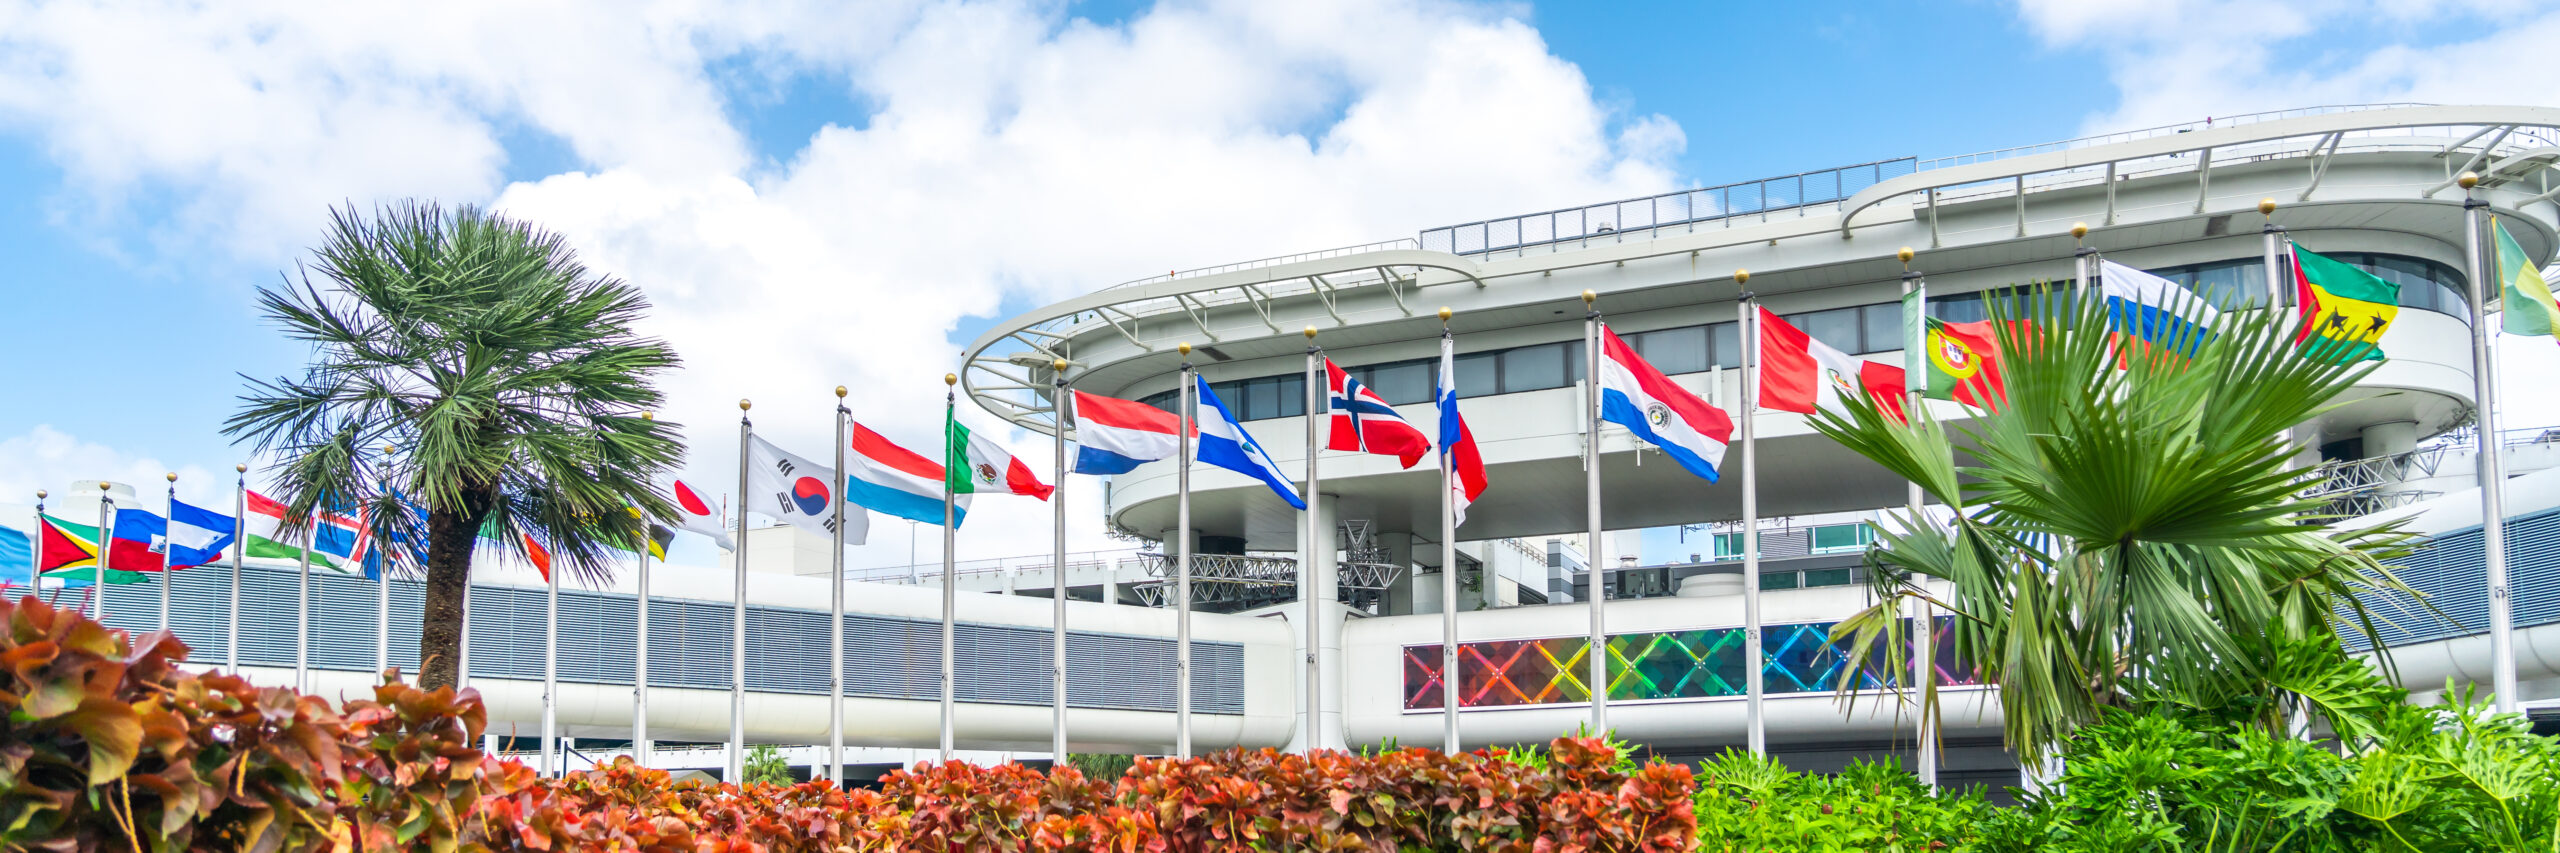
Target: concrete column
<point>2385,439</point>
<point>1011,575</point>
<point>1327,568</point>
<point>1111,582</point>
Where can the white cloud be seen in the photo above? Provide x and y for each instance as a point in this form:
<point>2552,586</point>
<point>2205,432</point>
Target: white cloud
<point>1015,156</point>
<point>49,459</point>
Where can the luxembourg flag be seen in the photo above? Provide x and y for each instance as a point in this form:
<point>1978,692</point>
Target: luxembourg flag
<point>1363,421</point>
<point>893,480</point>
<point>1461,467</point>
<point>1224,443</point>
<point>1114,436</point>
<point>1635,395</point>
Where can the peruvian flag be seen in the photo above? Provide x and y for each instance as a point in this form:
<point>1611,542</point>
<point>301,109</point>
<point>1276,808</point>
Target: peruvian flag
<point>697,514</point>
<point>1800,374</point>
<point>1363,421</point>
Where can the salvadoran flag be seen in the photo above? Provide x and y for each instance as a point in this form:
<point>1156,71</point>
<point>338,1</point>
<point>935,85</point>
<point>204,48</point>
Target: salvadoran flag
<point>1635,395</point>
<point>886,478</point>
<point>1114,436</point>
<point>1224,443</point>
<point>2154,309</point>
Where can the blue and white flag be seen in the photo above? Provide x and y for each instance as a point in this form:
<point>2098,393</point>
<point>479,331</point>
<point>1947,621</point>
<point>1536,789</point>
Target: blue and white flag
<point>197,535</point>
<point>1224,443</point>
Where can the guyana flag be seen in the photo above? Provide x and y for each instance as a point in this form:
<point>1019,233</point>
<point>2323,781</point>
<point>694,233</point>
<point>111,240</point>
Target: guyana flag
<point>69,553</point>
<point>2345,310</point>
<point>1964,363</point>
<point>2526,297</point>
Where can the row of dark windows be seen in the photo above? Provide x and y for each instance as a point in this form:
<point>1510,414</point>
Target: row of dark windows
<point>1856,330</point>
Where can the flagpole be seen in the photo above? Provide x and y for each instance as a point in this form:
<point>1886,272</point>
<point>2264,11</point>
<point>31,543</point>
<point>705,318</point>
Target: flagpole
<point>1755,726</point>
<point>835,604</point>
<point>382,599</point>
<point>640,650</point>
<point>1596,649</point>
<point>551,675</point>
<point>1923,625</point>
<point>35,571</point>
<point>165,548</point>
<point>239,548</point>
<point>2275,283</point>
<point>2493,482</point>
<point>106,548</point>
<point>1449,576</point>
<point>1317,588</point>
<point>950,587</point>
<point>302,603</point>
<point>1058,564</point>
<point>737,764</point>
<point>1185,415</point>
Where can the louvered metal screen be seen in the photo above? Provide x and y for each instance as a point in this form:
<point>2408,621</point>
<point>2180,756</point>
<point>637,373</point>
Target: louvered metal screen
<point>2449,570</point>
<point>688,643</point>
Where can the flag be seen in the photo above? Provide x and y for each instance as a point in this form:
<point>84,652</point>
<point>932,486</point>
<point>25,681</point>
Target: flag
<point>70,553</point>
<point>2346,309</point>
<point>541,558</point>
<point>2154,310</point>
<point>1224,443</point>
<point>789,487</point>
<point>654,537</point>
<point>337,538</point>
<point>976,464</point>
<point>2525,296</point>
<point>196,535</point>
<point>1635,395</point>
<point>1800,374</point>
<point>1461,467</point>
<point>17,557</point>
<point>1113,435</point>
<point>695,514</point>
<point>1964,363</point>
<point>139,539</point>
<point>890,479</point>
<point>1362,421</point>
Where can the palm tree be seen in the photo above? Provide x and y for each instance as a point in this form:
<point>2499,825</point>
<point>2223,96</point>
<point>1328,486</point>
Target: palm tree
<point>2126,523</point>
<point>470,379</point>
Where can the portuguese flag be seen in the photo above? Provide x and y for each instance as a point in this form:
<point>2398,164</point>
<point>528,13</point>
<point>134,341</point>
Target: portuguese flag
<point>2345,310</point>
<point>2526,297</point>
<point>1964,363</point>
<point>69,553</point>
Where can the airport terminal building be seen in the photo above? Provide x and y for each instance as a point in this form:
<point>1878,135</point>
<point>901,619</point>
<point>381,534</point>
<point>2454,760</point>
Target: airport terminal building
<point>2372,186</point>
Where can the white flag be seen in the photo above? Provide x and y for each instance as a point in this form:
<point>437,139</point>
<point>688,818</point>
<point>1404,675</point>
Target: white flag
<point>804,493</point>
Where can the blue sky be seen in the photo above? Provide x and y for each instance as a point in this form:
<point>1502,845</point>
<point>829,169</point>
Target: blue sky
<point>157,168</point>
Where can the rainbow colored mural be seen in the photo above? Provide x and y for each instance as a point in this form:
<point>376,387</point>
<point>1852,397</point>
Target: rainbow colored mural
<point>1698,664</point>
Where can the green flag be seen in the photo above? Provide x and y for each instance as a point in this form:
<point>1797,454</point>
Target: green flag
<point>2523,294</point>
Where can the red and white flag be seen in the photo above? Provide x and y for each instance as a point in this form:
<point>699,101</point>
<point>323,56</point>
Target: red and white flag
<point>1461,467</point>
<point>696,513</point>
<point>1362,421</point>
<point>1800,374</point>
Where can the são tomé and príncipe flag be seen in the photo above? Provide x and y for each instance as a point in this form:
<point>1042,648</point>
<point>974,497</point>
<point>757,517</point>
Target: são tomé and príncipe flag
<point>2526,298</point>
<point>2345,310</point>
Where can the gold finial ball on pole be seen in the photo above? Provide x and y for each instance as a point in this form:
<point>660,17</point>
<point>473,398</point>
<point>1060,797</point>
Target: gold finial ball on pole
<point>2468,180</point>
<point>950,379</point>
<point>1742,276</point>
<point>1184,348</point>
<point>39,494</point>
<point>2079,230</point>
<point>839,392</point>
<point>1311,333</point>
<point>1058,365</point>
<point>241,468</point>
<point>1589,297</point>
<point>1445,314</point>
<point>387,450</point>
<point>2266,207</point>
<point>1903,254</point>
<point>648,416</point>
<point>744,405</point>
<point>104,485</point>
<point>173,476</point>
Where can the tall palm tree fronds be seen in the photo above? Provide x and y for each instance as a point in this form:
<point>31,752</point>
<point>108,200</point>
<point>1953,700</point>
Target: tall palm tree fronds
<point>469,379</point>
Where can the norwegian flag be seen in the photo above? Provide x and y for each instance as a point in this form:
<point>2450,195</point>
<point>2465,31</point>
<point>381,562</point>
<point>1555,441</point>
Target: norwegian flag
<point>1363,421</point>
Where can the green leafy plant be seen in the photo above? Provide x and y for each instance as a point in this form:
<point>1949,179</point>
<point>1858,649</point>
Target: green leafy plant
<point>1101,765</point>
<point>764,766</point>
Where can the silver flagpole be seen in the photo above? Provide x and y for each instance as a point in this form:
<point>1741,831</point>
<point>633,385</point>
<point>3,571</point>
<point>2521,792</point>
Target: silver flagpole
<point>1058,564</point>
<point>552,761</point>
<point>1755,724</point>
<point>106,549</point>
<point>35,572</point>
<point>737,764</point>
<point>382,603</point>
<point>1187,406</point>
<point>1923,627</point>
<point>2273,234</point>
<point>239,549</point>
<point>640,650</point>
<point>950,587</point>
<point>166,546</point>
<point>302,605</point>
<point>835,603</point>
<point>1315,588</point>
<point>1596,649</point>
<point>2493,480</point>
<point>1449,571</point>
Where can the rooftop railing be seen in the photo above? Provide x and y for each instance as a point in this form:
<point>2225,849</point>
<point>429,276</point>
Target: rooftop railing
<point>1614,219</point>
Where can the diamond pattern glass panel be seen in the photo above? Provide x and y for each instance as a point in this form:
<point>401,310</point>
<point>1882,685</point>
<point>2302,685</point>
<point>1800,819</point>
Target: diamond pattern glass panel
<point>1697,664</point>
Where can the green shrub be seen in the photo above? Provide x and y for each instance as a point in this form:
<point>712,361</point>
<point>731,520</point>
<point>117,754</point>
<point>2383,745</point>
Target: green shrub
<point>1754,803</point>
<point>764,764</point>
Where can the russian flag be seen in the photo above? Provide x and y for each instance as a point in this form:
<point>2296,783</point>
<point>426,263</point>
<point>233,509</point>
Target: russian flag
<point>1635,395</point>
<point>2154,309</point>
<point>1362,421</point>
<point>1113,436</point>
<point>886,478</point>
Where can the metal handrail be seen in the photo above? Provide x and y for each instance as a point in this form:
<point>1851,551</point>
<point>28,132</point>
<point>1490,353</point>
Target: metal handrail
<point>1797,192</point>
<point>1317,255</point>
<point>2148,132</point>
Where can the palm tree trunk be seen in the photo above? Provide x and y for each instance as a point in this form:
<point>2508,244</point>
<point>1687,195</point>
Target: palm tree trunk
<point>450,538</point>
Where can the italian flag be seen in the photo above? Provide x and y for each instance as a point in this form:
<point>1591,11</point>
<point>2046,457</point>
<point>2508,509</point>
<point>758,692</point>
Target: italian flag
<point>2526,297</point>
<point>974,464</point>
<point>2345,310</point>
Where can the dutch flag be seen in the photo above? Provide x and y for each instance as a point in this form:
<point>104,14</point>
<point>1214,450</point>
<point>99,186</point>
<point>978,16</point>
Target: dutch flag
<point>1114,436</point>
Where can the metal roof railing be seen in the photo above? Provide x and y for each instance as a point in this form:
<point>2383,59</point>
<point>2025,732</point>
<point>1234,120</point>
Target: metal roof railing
<point>2209,123</point>
<point>1796,192</point>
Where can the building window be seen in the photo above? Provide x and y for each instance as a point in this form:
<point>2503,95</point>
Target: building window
<point>1681,350</point>
<point>1826,577</point>
<point>1531,368</point>
<point>1400,383</point>
<point>1837,538</point>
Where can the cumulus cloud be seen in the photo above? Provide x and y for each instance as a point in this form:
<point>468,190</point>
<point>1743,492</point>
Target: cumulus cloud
<point>1011,155</point>
<point>49,459</point>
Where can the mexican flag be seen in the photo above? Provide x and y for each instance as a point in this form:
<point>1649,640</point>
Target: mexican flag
<point>976,464</point>
<point>2345,310</point>
<point>2525,296</point>
<point>69,553</point>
